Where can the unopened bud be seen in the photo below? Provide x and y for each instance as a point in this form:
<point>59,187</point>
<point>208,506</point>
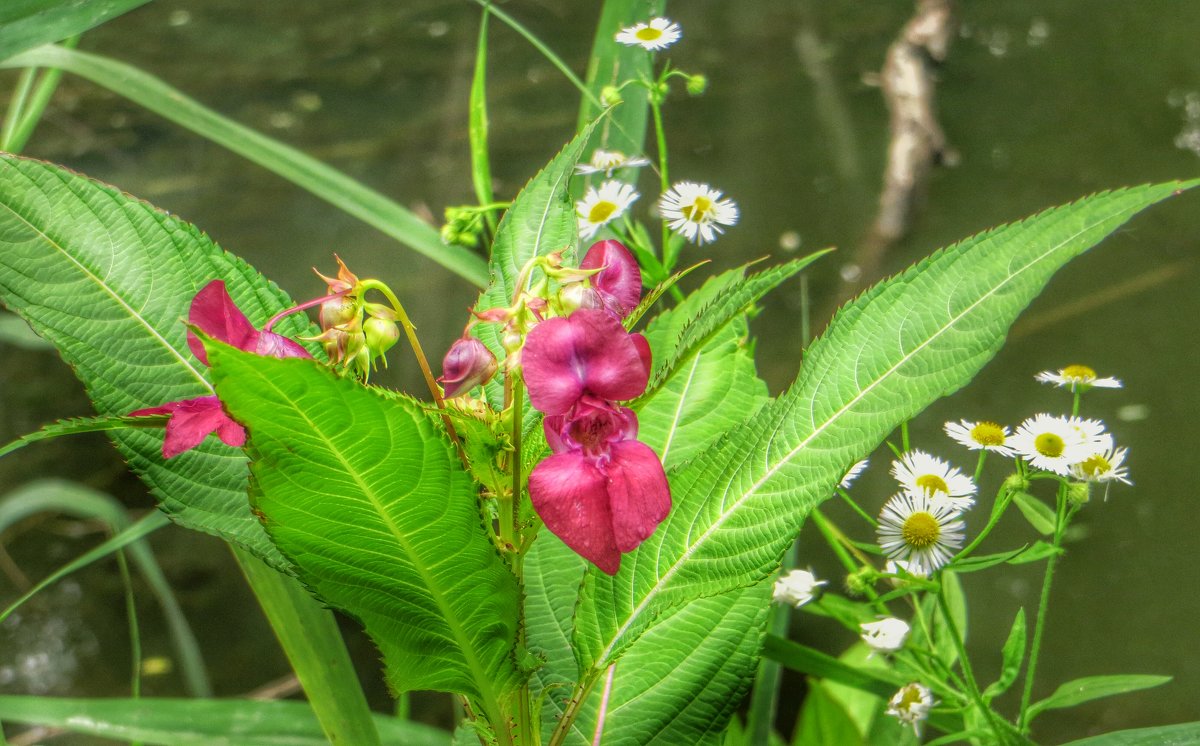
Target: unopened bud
<point>337,311</point>
<point>468,363</point>
<point>1016,483</point>
<point>697,84</point>
<point>380,335</point>
<point>610,95</point>
<point>860,581</point>
<point>1079,492</point>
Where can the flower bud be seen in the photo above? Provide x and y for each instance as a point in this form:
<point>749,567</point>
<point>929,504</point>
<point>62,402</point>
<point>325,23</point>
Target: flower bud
<point>1016,483</point>
<point>380,335</point>
<point>345,281</point>
<point>697,84</point>
<point>1079,492</point>
<point>576,295</point>
<point>337,311</point>
<point>610,95</point>
<point>468,363</point>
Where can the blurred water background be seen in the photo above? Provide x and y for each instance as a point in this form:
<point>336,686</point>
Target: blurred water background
<point>1043,101</point>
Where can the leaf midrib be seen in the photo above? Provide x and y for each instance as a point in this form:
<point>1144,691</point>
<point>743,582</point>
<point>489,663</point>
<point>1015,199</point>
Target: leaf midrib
<point>598,665</point>
<point>88,274</point>
<point>478,671</point>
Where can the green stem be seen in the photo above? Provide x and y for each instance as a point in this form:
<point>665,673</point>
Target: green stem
<point>1043,603</point>
<point>979,464</point>
<point>1005,496</point>
<point>16,108</point>
<point>862,513</point>
<point>135,637</point>
<point>660,137</point>
<point>546,51</point>
<point>968,673</point>
<point>904,436</point>
<point>46,86</point>
<point>1075,403</point>
<point>578,696</point>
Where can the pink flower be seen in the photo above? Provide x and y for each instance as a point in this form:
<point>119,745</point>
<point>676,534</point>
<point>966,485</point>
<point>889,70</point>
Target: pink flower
<point>468,363</point>
<point>587,353</point>
<point>191,420</point>
<point>603,493</point>
<point>619,283</point>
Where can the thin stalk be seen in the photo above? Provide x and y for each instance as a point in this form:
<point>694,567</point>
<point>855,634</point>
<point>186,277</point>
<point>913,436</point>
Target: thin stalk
<point>862,513</point>
<point>979,464</point>
<point>549,54</point>
<point>32,114</point>
<point>904,436</point>
<point>135,637</point>
<point>1005,496</point>
<point>16,108</point>
<point>1039,626</point>
<point>968,673</point>
<point>481,172</point>
<point>410,331</point>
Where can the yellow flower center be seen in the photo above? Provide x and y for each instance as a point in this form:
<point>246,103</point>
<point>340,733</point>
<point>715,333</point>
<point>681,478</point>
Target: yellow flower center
<point>698,210</point>
<point>1079,373</point>
<point>1049,445</point>
<point>648,34</point>
<point>932,483</point>
<point>601,211</point>
<point>909,696</point>
<point>1094,466</point>
<point>920,530</point>
<point>988,434</point>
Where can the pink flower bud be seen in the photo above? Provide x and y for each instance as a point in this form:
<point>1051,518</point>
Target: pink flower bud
<point>619,281</point>
<point>468,363</point>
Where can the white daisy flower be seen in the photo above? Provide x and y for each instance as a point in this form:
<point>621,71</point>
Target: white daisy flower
<point>1077,376</point>
<point>921,530</point>
<point>607,161</point>
<point>1103,466</point>
<point>697,211</point>
<point>600,206</point>
<point>920,473</point>
<point>852,474</point>
<point>659,33</point>
<point>893,567</point>
<point>980,436</point>
<point>1055,443</point>
<point>797,588</point>
<point>911,705</point>
<point>886,635</point>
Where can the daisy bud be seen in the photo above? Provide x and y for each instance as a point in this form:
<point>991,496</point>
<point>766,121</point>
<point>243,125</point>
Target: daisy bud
<point>860,581</point>
<point>468,363</point>
<point>1079,493</point>
<point>1016,483</point>
<point>610,95</point>
<point>697,84</point>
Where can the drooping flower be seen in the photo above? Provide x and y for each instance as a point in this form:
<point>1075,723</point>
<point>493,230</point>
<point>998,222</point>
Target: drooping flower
<point>852,473</point>
<point>602,492</point>
<point>920,473</point>
<point>1079,377</point>
<point>587,353</point>
<point>618,284</point>
<point>697,211</point>
<point>980,436</point>
<point>191,420</point>
<point>467,364</point>
<point>797,588</point>
<point>601,206</point>
<point>921,530</point>
<point>1056,443</point>
<point>607,161</point>
<point>885,636</point>
<point>1104,465</point>
<point>659,33</point>
<point>911,705</point>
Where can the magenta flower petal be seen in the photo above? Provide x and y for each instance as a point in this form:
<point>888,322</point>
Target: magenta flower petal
<point>191,421</point>
<point>619,283</point>
<point>643,350</point>
<point>271,344</point>
<point>588,352</point>
<point>639,497</point>
<point>570,495</point>
<point>215,314</point>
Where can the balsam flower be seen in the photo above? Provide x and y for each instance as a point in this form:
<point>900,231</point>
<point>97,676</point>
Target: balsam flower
<point>467,364</point>
<point>587,353</point>
<point>602,492</point>
<point>192,420</point>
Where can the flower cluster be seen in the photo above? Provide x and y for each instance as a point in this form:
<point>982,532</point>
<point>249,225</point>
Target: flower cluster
<point>602,492</point>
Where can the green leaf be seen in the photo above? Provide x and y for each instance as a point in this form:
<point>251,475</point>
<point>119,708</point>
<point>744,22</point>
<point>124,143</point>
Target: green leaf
<point>812,662</point>
<point>1011,657</point>
<point>984,561</point>
<point>1093,687</point>
<point>331,185</point>
<point>367,496</point>
<point>477,125</point>
<point>1039,551</point>
<point>824,721</point>
<point>79,425</point>
<point>107,279</point>
<point>1039,514</point>
<point>199,722</point>
<point>956,601</point>
<point>25,24</point>
<point>886,356</point>
<point>1181,734</point>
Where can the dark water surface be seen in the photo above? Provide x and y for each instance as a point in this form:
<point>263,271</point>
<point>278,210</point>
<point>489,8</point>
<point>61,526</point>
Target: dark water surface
<point>1044,101</point>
